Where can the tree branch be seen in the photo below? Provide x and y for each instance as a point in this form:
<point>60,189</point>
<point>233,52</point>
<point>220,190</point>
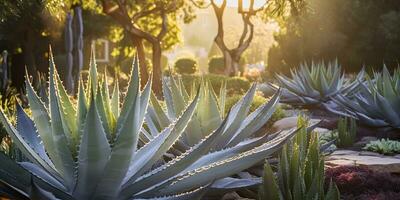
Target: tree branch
<point>164,26</point>
<point>200,4</point>
<point>144,13</point>
<point>219,13</point>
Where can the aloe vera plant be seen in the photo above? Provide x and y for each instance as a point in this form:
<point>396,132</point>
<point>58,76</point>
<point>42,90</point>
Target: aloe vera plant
<point>93,148</point>
<point>316,84</point>
<point>377,102</point>
<point>300,173</point>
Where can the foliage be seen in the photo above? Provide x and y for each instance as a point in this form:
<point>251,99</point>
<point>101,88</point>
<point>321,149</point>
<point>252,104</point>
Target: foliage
<point>216,65</point>
<point>316,84</point>
<point>347,132</point>
<point>239,129</point>
<point>257,102</point>
<point>376,103</point>
<point>300,171</point>
<point>234,85</point>
<point>94,149</point>
<point>186,66</point>
<point>384,146</point>
<point>362,183</point>
<point>320,30</point>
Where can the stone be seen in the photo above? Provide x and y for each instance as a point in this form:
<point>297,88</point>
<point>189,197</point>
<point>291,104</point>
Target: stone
<point>370,153</point>
<point>364,141</point>
<point>333,163</point>
<point>370,160</point>
<point>287,123</point>
<point>344,152</point>
<point>384,164</point>
<point>322,130</point>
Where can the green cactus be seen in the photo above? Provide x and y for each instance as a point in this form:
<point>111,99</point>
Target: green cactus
<point>346,132</point>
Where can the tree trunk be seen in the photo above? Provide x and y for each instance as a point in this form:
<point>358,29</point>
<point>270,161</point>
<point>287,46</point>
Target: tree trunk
<point>227,63</point>
<point>144,74</point>
<point>157,74</point>
<point>235,66</point>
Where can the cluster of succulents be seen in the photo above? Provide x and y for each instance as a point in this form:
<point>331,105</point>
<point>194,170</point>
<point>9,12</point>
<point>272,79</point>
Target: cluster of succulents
<point>96,148</point>
<point>300,173</point>
<point>384,146</point>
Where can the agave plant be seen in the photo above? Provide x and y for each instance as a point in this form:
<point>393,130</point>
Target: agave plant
<point>94,149</point>
<point>315,85</point>
<point>377,102</point>
<point>208,117</point>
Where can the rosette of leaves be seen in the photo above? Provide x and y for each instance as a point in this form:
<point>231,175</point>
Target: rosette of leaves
<point>384,146</point>
<point>314,85</point>
<point>93,148</point>
<point>377,104</point>
<point>241,127</point>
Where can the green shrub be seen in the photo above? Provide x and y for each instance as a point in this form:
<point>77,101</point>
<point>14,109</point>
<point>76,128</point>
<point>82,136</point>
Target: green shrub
<point>384,146</point>
<point>234,85</point>
<point>186,66</point>
<point>216,65</point>
<point>257,102</point>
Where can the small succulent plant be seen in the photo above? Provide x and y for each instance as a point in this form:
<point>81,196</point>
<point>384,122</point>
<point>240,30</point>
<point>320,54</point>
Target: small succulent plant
<point>384,146</point>
<point>347,132</point>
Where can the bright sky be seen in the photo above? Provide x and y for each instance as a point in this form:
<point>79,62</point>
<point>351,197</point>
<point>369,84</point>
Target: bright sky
<point>246,3</point>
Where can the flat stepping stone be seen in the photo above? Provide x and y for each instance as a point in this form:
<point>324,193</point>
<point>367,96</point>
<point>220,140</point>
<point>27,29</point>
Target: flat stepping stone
<point>370,160</point>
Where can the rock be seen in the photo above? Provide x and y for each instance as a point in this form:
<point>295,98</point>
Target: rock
<point>322,130</point>
<point>370,160</point>
<point>333,163</point>
<point>387,164</point>
<point>344,152</point>
<point>287,123</point>
<point>370,153</point>
<point>364,141</point>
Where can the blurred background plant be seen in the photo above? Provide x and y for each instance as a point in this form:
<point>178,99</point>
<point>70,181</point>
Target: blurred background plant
<point>186,66</point>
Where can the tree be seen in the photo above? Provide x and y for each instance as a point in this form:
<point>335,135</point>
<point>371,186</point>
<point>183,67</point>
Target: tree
<point>232,56</point>
<point>25,33</point>
<point>148,21</point>
<point>357,34</point>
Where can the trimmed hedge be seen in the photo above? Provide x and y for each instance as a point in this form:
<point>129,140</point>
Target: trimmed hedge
<point>216,65</point>
<point>186,66</point>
